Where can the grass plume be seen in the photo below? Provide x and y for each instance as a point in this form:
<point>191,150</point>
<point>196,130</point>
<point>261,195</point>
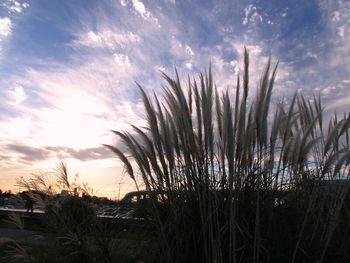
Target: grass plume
<point>243,184</point>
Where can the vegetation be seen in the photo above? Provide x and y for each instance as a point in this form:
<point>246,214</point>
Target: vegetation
<point>228,178</point>
<point>69,226</point>
<point>242,182</point>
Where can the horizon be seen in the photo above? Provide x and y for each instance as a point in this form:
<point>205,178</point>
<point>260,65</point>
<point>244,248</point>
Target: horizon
<point>68,70</point>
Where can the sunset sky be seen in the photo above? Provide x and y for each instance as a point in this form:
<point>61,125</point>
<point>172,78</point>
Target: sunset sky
<point>68,69</point>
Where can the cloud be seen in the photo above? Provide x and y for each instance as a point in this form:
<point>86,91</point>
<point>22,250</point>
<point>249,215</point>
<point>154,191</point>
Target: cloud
<point>258,57</point>
<point>6,22</point>
<point>171,1</point>
<point>124,2</point>
<point>328,90</point>
<point>107,38</point>
<point>17,94</point>
<point>66,105</point>
<point>77,104</point>
<point>122,60</point>
<point>188,65</point>
<point>29,153</point>
<point>92,38</point>
<point>189,51</point>
<point>17,7</point>
<point>321,64</point>
<point>5,27</point>
<point>97,89</point>
<point>251,15</point>
<point>340,104</point>
<point>95,153</point>
<point>14,6</point>
<point>140,9</point>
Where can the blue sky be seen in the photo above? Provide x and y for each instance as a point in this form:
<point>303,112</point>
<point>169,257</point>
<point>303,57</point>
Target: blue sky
<point>68,68</point>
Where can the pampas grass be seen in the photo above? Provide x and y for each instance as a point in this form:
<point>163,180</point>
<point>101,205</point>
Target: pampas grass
<point>242,183</point>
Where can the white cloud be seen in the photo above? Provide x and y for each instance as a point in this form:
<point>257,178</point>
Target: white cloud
<point>188,65</point>
<point>93,37</point>
<point>179,51</point>
<point>5,27</point>
<point>257,64</point>
<point>17,94</point>
<point>340,104</point>
<point>14,6</point>
<point>5,31</point>
<point>253,48</point>
<point>124,2</point>
<point>234,66</point>
<point>339,23</point>
<point>160,68</point>
<point>78,105</point>
<point>311,55</point>
<point>140,8</point>
<point>251,15</point>
<point>336,16</point>
<point>82,102</point>
<point>16,128</point>
<point>107,38</point>
<point>122,60</point>
<point>189,50</point>
<point>341,31</point>
<point>328,90</point>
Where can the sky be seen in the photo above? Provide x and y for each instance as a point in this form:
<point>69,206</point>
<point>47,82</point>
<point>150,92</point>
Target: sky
<point>69,68</point>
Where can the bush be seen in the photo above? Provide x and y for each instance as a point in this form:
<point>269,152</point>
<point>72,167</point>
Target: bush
<point>77,214</point>
<point>73,220</point>
<point>71,215</point>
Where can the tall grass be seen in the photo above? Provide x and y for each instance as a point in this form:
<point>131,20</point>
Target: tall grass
<point>79,234</point>
<point>71,219</point>
<point>242,183</point>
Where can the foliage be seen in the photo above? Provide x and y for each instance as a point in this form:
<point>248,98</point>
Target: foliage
<point>72,214</point>
<point>80,236</point>
<point>245,182</point>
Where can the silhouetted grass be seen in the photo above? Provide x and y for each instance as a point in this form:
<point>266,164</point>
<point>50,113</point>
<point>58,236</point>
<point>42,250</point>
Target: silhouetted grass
<point>238,182</point>
<point>79,236</point>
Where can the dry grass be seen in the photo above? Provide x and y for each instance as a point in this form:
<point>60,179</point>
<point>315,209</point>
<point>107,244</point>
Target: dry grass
<point>243,184</point>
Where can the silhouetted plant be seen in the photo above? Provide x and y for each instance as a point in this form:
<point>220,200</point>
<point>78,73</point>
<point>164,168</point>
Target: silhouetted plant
<point>70,218</point>
<point>72,214</point>
<point>242,184</point>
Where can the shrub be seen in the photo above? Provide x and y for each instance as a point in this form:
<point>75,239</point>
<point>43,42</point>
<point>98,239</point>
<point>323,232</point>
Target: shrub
<point>77,214</point>
<point>71,215</point>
